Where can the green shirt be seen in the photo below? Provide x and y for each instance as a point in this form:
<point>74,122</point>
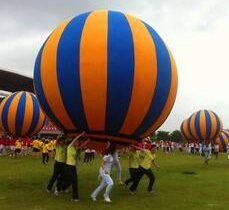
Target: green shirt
<point>148,159</point>
<point>71,155</point>
<point>61,153</point>
<point>134,159</point>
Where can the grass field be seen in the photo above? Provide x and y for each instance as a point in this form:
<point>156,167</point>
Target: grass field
<point>183,182</point>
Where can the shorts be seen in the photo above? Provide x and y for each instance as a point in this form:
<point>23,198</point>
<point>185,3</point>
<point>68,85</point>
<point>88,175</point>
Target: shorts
<point>36,150</point>
<point>17,151</point>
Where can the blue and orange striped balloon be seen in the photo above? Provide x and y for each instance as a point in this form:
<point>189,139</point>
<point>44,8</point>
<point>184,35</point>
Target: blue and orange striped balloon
<point>204,125</point>
<point>108,74</point>
<point>185,131</point>
<point>223,140</point>
<point>21,115</point>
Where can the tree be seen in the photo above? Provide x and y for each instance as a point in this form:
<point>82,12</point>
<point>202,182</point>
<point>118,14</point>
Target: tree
<point>176,136</point>
<point>163,135</point>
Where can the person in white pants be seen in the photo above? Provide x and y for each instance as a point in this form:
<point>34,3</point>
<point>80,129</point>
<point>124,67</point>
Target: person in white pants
<point>104,173</point>
<point>116,162</point>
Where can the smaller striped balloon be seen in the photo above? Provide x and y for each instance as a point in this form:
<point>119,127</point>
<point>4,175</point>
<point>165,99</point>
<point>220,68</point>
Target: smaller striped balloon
<point>185,131</point>
<point>21,115</point>
<point>204,125</point>
<point>223,140</point>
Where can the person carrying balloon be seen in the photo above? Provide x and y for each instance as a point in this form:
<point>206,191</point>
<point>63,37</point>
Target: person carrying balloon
<point>134,160</point>
<point>60,161</point>
<point>145,169</point>
<point>117,164</point>
<point>70,172</point>
<point>104,173</point>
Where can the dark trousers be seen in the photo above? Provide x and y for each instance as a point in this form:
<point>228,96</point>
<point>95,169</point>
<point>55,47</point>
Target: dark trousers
<point>71,179</point>
<point>141,173</point>
<point>58,173</point>
<point>45,158</point>
<point>134,173</point>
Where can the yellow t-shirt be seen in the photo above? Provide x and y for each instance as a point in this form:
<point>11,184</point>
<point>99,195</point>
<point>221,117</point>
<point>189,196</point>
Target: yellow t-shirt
<point>36,144</point>
<point>147,160</point>
<point>61,153</point>
<point>45,148</point>
<point>134,159</point>
<point>71,155</point>
<point>18,144</point>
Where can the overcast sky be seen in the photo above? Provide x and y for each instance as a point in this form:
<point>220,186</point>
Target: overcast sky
<point>196,31</point>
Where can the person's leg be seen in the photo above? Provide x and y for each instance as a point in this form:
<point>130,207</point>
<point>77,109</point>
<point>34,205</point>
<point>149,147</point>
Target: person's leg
<point>136,181</point>
<point>47,158</point>
<point>108,180</point>
<point>151,177</point>
<point>131,179</point>
<point>60,178</point>
<point>43,158</point>
<point>56,172</point>
<point>75,192</point>
<point>98,189</point>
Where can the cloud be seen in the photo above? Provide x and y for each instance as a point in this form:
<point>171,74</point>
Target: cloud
<point>196,32</point>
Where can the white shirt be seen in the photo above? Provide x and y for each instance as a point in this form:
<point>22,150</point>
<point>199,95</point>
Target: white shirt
<point>108,160</point>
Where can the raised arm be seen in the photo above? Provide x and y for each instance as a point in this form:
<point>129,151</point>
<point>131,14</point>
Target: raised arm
<point>76,138</point>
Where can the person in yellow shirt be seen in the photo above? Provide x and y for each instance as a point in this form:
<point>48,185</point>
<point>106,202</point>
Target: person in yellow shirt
<point>145,169</point>
<point>45,152</point>
<point>36,147</point>
<point>134,160</point>
<point>18,147</point>
<point>70,174</point>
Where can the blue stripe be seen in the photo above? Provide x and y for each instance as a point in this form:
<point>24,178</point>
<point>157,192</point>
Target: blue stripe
<point>5,111</point>
<point>163,84</point>
<point>120,71</point>
<point>198,126</point>
<point>68,70</point>
<point>40,92</point>
<point>208,124</point>
<point>189,126</point>
<point>36,114</point>
<point>20,113</point>
<point>227,134</point>
<point>218,125</point>
<point>223,143</point>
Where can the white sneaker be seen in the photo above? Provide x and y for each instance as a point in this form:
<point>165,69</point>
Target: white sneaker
<point>93,198</point>
<point>75,200</point>
<point>56,193</point>
<point>108,200</point>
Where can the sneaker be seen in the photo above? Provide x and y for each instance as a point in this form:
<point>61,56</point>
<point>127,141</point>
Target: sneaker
<point>132,192</point>
<point>48,191</point>
<point>151,192</point>
<point>120,182</point>
<point>107,199</point>
<point>56,193</point>
<point>93,198</point>
<point>75,200</point>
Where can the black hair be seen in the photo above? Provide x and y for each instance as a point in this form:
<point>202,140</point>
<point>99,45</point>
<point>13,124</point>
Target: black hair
<point>111,149</point>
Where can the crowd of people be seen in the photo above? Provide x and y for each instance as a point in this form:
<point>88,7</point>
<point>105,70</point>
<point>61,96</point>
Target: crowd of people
<point>67,154</point>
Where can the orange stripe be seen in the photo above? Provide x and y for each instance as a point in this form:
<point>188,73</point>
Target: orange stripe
<point>93,69</point>
<point>192,126</point>
<point>203,127</point>
<point>11,118</point>
<point>145,76</point>
<point>214,125</point>
<point>2,104</point>
<point>49,77</point>
<point>186,131</point>
<point>39,124</point>
<point>170,101</point>
<point>28,115</point>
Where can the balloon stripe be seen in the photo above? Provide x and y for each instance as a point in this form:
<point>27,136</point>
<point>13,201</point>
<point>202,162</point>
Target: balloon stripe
<point>49,77</point>
<point>68,64</point>
<point>218,127</point>
<point>191,126</point>
<point>11,118</point>
<point>169,103</point>
<point>208,124</point>
<point>163,84</point>
<point>145,76</point>
<point>120,68</point>
<point>2,105</point>
<point>40,92</point>
<point>198,126</point>
<point>20,113</point>
<point>93,69</point>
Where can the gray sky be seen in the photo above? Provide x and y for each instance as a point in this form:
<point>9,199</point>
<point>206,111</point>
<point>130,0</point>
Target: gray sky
<point>196,31</point>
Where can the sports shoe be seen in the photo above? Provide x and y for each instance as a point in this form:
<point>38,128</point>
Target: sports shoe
<point>48,191</point>
<point>56,193</point>
<point>151,192</point>
<point>107,199</point>
<point>132,192</point>
<point>93,198</point>
<point>75,200</point>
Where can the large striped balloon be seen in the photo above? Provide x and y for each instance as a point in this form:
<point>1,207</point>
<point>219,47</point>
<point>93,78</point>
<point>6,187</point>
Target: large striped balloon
<point>204,125</point>
<point>21,115</point>
<point>106,73</point>
<point>223,140</point>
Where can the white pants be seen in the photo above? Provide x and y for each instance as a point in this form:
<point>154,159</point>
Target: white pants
<point>106,181</point>
<point>117,163</point>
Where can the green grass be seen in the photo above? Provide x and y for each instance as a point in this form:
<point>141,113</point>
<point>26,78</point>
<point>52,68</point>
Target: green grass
<point>183,182</point>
